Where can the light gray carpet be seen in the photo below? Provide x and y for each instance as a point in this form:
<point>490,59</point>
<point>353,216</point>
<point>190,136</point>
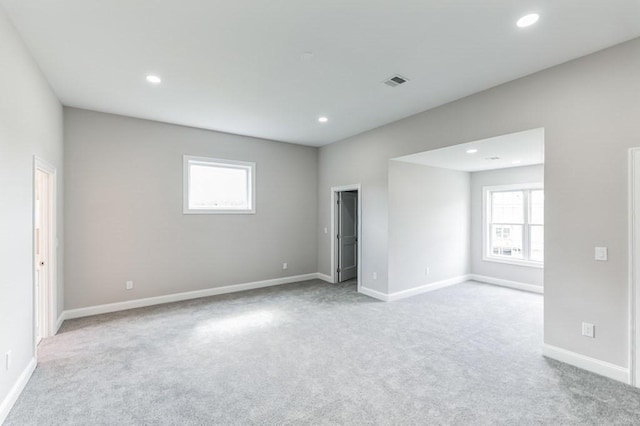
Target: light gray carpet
<point>312,353</point>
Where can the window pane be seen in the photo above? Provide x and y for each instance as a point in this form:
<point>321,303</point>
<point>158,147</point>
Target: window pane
<point>537,243</point>
<point>219,187</point>
<point>506,241</point>
<point>537,207</point>
<point>507,207</point>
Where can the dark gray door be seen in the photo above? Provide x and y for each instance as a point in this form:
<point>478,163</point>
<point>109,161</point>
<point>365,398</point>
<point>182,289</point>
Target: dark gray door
<point>347,235</point>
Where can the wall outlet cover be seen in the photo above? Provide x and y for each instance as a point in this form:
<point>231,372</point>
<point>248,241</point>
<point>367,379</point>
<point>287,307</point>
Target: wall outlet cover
<point>601,253</point>
<point>588,330</point>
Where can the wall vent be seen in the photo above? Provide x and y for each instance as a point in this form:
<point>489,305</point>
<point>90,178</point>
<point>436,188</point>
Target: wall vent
<point>395,80</point>
<point>492,158</point>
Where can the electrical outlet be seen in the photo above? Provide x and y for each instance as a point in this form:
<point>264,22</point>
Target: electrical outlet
<point>285,266</point>
<point>129,285</point>
<point>588,330</point>
<point>427,271</point>
<point>601,254</point>
<point>7,361</point>
<point>326,230</point>
<point>375,275</point>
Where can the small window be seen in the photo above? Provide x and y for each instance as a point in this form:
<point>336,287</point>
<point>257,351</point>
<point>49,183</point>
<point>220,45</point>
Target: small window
<point>514,224</point>
<point>215,186</point>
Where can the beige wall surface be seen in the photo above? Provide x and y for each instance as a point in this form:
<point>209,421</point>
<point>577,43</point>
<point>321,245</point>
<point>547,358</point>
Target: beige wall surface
<point>429,218</point>
<point>125,220</point>
<point>589,108</point>
<point>30,124</point>
<point>512,175</point>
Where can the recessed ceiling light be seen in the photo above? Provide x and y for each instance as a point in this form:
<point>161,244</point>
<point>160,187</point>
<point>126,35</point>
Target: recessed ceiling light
<point>323,119</point>
<point>516,162</point>
<point>527,20</point>
<point>472,151</point>
<point>154,79</point>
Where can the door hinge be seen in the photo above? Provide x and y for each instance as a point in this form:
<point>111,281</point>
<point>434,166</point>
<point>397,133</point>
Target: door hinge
<point>338,271</point>
<point>338,202</point>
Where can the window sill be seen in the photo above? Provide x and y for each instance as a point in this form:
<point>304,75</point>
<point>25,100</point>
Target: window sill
<point>218,212</point>
<point>516,262</point>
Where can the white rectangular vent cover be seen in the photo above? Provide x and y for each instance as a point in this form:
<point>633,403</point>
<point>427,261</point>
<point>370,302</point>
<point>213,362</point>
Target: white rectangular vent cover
<point>395,80</point>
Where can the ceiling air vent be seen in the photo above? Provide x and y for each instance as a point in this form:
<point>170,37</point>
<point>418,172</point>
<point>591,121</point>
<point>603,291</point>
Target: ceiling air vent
<point>394,81</point>
<point>492,158</point>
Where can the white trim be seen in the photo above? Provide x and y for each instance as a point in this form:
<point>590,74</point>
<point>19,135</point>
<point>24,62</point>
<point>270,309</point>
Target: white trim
<point>16,390</point>
<point>508,283</point>
<point>516,262</point>
<point>59,321</point>
<point>594,365</point>
<point>325,277</point>
<point>374,293</point>
<point>52,297</point>
<point>486,215</point>
<point>186,170</point>
<point>176,297</point>
<point>633,266</point>
<point>413,291</point>
<point>332,203</point>
<point>427,287</point>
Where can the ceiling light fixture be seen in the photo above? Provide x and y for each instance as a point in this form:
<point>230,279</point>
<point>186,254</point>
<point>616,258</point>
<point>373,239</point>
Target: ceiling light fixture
<point>472,151</point>
<point>527,20</point>
<point>323,119</point>
<point>154,79</point>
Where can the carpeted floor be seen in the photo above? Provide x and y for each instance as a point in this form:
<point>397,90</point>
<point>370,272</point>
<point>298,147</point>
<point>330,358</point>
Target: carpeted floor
<point>312,353</point>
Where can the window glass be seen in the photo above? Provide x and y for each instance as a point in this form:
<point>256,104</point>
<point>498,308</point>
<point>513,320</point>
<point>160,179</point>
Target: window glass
<point>218,186</point>
<point>507,207</point>
<point>537,243</point>
<point>514,224</point>
<point>506,241</point>
<point>537,207</point>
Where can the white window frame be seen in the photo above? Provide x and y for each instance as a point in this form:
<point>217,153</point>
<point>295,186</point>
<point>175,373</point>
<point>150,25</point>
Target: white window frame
<point>486,224</point>
<point>189,160</point>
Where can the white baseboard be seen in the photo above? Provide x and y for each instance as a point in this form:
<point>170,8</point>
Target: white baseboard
<point>413,291</point>
<point>507,283</point>
<point>177,297</point>
<point>16,390</point>
<point>59,322</point>
<point>325,277</point>
<point>374,293</point>
<point>427,287</point>
<point>594,365</point>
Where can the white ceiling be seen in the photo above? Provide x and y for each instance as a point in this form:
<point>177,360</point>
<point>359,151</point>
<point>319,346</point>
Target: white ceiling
<point>239,66</point>
<point>512,150</point>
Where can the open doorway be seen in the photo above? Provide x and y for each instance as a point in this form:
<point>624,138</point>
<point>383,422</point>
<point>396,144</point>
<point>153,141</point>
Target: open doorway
<point>345,227</point>
<point>468,211</point>
<point>44,195</point>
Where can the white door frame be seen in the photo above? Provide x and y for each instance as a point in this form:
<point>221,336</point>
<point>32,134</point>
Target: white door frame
<point>334,211</point>
<point>634,266</point>
<point>52,290</point>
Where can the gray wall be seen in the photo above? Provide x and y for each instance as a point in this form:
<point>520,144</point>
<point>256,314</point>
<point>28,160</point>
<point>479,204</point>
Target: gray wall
<point>125,221</point>
<point>30,124</point>
<point>513,175</point>
<point>589,108</point>
<point>428,225</point>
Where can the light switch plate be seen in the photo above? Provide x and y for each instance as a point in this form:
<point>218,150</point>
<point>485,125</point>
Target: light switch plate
<point>601,253</point>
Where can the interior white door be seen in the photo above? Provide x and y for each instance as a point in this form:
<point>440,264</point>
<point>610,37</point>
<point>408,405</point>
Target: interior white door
<point>347,235</point>
<point>41,248</point>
